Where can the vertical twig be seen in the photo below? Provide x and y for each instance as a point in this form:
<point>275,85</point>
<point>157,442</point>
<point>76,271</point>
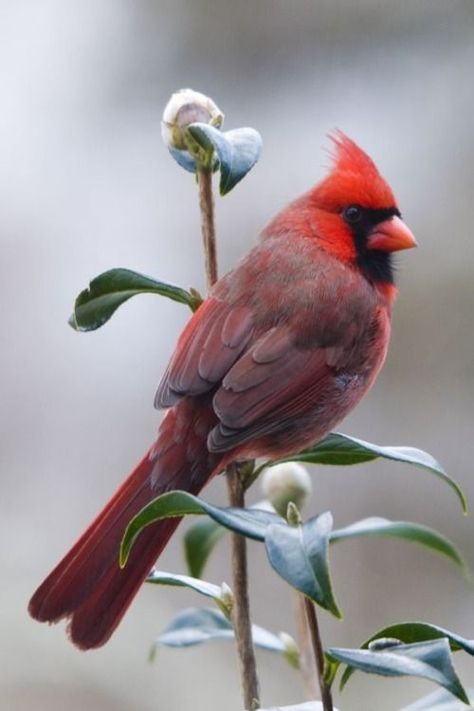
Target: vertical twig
<point>206,204</point>
<point>241,612</point>
<point>305,646</point>
<point>318,650</point>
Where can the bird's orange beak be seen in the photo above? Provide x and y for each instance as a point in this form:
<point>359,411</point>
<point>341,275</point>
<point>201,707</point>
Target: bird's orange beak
<point>391,236</point>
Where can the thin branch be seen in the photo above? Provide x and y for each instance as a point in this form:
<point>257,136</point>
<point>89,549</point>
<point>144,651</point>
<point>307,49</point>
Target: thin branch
<point>206,204</point>
<point>318,650</point>
<point>241,612</point>
<point>304,641</point>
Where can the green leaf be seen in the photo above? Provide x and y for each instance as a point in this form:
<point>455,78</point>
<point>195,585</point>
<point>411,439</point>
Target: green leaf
<point>438,701</point>
<point>427,660</point>
<point>199,541</point>
<point>412,632</point>
<point>415,532</point>
<point>340,449</point>
<point>201,538</point>
<point>249,522</point>
<point>95,305</point>
<point>237,151</point>
<point>183,159</point>
<point>222,596</point>
<point>197,625</point>
<point>299,554</point>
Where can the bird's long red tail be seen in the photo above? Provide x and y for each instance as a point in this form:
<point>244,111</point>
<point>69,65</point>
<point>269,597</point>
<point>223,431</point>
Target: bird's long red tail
<point>87,586</point>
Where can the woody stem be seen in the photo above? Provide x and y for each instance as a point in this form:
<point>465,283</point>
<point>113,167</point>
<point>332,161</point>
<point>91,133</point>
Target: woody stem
<point>235,484</point>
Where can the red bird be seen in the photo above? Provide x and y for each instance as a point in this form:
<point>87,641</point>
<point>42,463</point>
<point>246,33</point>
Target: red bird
<point>284,347</point>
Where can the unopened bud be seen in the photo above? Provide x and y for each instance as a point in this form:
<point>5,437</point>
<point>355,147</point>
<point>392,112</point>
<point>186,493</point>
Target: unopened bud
<point>291,651</point>
<point>226,599</point>
<point>285,483</point>
<point>185,107</point>
<point>293,515</point>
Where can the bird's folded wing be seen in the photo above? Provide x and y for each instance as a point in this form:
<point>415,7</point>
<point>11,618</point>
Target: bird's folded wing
<point>271,386</point>
<point>210,344</point>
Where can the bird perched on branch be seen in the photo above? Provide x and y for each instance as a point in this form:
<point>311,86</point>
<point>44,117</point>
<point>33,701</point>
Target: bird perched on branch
<point>284,347</point>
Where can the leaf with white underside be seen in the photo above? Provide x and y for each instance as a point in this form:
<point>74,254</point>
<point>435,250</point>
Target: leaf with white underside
<point>202,537</point>
<point>237,151</point>
<point>220,595</point>
<point>426,660</point>
<point>198,625</point>
<point>412,632</point>
<point>299,554</point>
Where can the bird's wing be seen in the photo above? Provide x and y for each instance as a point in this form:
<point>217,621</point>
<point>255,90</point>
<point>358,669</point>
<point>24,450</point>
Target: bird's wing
<point>210,344</point>
<point>271,347</point>
<point>273,385</point>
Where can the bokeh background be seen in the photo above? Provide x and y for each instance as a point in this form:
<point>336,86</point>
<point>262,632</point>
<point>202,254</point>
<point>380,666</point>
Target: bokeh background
<point>86,184</point>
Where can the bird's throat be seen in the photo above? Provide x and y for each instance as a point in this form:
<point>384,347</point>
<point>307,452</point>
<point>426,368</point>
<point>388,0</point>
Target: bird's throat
<point>376,266</point>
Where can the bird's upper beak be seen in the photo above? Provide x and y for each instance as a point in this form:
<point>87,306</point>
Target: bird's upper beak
<point>390,236</point>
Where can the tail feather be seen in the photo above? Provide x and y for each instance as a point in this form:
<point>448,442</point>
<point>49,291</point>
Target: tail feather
<point>88,586</point>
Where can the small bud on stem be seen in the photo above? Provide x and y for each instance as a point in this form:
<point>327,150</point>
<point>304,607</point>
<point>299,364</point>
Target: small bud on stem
<point>285,483</point>
<point>186,107</point>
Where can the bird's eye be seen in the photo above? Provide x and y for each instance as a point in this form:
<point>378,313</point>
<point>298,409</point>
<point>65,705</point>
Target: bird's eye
<point>352,214</point>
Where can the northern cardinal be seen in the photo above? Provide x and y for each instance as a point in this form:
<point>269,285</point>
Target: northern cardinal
<point>283,348</point>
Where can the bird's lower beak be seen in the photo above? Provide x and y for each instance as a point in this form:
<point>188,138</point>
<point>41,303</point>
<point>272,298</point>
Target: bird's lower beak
<point>391,236</point>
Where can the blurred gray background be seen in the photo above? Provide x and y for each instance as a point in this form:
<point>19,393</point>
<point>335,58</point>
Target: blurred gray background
<point>86,184</point>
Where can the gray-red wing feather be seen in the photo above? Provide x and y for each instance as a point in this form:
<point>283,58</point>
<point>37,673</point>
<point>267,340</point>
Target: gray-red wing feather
<point>208,347</point>
<point>260,394</point>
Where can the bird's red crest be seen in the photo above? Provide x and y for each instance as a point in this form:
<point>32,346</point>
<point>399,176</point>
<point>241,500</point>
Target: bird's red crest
<point>354,178</point>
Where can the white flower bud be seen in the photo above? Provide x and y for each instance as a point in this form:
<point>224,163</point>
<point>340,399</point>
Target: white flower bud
<point>291,653</point>
<point>286,482</point>
<point>187,106</point>
<point>227,598</point>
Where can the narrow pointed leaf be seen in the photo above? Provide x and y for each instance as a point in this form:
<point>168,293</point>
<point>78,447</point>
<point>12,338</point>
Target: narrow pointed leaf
<point>199,541</point>
<point>237,151</point>
<point>299,554</point>
<point>159,577</point>
<point>426,660</point>
<point>197,625</point>
<point>407,530</point>
<point>95,305</point>
<point>411,632</point>
<point>216,593</point>
<point>340,449</point>
<point>251,523</point>
<point>201,538</point>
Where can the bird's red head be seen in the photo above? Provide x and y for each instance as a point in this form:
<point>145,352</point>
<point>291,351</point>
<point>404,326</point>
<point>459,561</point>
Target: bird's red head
<point>352,213</point>
<point>354,178</point>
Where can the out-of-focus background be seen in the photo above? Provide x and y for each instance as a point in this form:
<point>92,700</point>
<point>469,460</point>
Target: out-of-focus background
<point>86,184</point>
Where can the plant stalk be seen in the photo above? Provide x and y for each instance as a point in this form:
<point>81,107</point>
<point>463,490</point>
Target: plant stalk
<point>206,204</point>
<point>304,641</point>
<point>318,650</point>
<point>236,489</point>
<point>241,611</point>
